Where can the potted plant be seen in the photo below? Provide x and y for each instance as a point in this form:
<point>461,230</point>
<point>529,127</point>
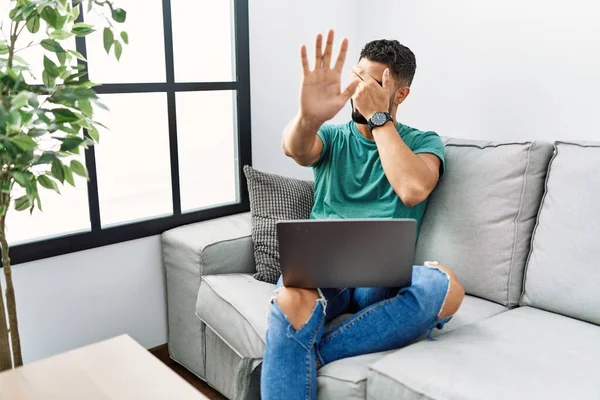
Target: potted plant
<point>43,125</point>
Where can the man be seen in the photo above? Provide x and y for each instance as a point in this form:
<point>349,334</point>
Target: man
<point>371,167</point>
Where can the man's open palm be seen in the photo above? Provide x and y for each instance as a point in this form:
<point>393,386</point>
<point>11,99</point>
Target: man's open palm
<point>321,97</point>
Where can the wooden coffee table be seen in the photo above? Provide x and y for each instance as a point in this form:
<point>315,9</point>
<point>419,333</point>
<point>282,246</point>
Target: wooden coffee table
<point>117,368</point>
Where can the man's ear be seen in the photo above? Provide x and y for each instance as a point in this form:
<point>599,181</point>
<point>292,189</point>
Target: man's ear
<point>401,94</point>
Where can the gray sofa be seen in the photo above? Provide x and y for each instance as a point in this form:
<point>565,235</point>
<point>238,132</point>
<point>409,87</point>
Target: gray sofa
<point>520,225</point>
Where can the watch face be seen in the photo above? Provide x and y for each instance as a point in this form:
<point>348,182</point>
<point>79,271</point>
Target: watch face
<point>379,118</point>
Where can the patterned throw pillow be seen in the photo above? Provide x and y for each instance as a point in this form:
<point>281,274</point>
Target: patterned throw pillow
<point>274,198</point>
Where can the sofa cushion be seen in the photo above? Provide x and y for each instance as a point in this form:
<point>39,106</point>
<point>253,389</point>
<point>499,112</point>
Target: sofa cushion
<point>274,198</point>
<point>521,354</point>
<point>346,378</point>
<point>480,217</point>
<point>235,307</point>
<point>472,310</point>
<point>563,274</point>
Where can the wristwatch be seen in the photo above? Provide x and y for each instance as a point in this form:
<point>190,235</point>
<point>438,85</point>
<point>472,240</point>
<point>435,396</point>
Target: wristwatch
<point>379,119</point>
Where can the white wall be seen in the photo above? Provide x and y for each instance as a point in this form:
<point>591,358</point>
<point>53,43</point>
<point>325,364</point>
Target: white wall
<point>277,30</point>
<point>80,298</point>
<point>499,69</point>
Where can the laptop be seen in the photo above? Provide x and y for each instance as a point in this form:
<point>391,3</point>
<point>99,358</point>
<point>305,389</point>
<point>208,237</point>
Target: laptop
<point>347,253</point>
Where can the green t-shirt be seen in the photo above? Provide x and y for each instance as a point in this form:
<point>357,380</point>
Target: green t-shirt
<point>349,177</point>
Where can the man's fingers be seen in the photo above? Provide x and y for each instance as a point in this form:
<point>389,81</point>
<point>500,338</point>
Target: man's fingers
<point>328,50</point>
<point>319,51</point>
<point>339,64</point>
<point>351,88</point>
<point>304,57</point>
<point>364,76</point>
<point>387,81</point>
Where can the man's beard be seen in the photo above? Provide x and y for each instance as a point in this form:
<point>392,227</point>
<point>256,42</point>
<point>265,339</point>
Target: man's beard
<point>359,118</point>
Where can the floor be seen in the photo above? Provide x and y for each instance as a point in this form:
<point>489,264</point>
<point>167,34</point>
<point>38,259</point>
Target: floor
<point>162,353</point>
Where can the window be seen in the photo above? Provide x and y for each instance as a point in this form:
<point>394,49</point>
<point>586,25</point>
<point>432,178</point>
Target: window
<point>178,131</point>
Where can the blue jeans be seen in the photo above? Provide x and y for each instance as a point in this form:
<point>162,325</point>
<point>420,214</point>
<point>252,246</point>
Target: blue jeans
<point>383,319</point>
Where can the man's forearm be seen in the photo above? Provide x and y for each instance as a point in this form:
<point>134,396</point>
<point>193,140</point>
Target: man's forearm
<point>408,174</point>
<point>299,137</point>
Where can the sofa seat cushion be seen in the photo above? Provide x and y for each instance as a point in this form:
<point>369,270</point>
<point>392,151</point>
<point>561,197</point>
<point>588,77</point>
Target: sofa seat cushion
<point>346,378</point>
<point>563,275</point>
<point>472,310</point>
<point>480,217</point>
<point>235,307</point>
<point>524,353</point>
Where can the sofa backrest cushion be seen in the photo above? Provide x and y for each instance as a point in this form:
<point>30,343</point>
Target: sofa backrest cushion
<point>563,271</point>
<point>480,217</point>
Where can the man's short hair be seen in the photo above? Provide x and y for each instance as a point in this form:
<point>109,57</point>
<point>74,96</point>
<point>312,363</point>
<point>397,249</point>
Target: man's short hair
<point>399,58</point>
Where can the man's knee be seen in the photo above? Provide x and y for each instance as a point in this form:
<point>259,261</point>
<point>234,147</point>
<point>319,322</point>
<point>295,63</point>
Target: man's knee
<point>455,296</point>
<point>297,304</point>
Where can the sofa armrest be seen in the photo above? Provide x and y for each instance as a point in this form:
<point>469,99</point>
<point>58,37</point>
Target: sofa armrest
<point>218,246</point>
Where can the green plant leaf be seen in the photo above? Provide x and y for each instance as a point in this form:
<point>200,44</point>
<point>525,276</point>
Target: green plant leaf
<point>75,12</point>
<point>24,142</point>
<point>49,81</point>
<point>60,34</point>
<point>118,50</point>
<point>64,115</point>
<point>69,175</point>
<point>36,132</point>
<point>84,93</point>
<point>33,24</point>
<point>28,10</point>
<point>22,203</point>
<point>16,14</point>
<point>70,143</point>
<point>62,58</point>
<point>119,15</point>
<point>50,67</point>
<point>93,133</point>
<point>61,20</point>
<point>57,170</point>
<point>75,77</point>
<point>50,15</point>
<point>86,107</point>
<point>20,100</point>
<point>21,60</point>
<point>45,158</point>
<point>125,37</point>
<point>52,45</point>
<point>108,39</point>
<point>48,183</point>
<point>100,104</point>
<point>79,168</point>
<point>77,54</point>
<point>34,101</point>
<point>39,203</point>
<point>19,178</point>
<point>14,118</point>
<point>26,116</point>
<point>5,187</point>
<point>80,29</point>
<point>72,128</point>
